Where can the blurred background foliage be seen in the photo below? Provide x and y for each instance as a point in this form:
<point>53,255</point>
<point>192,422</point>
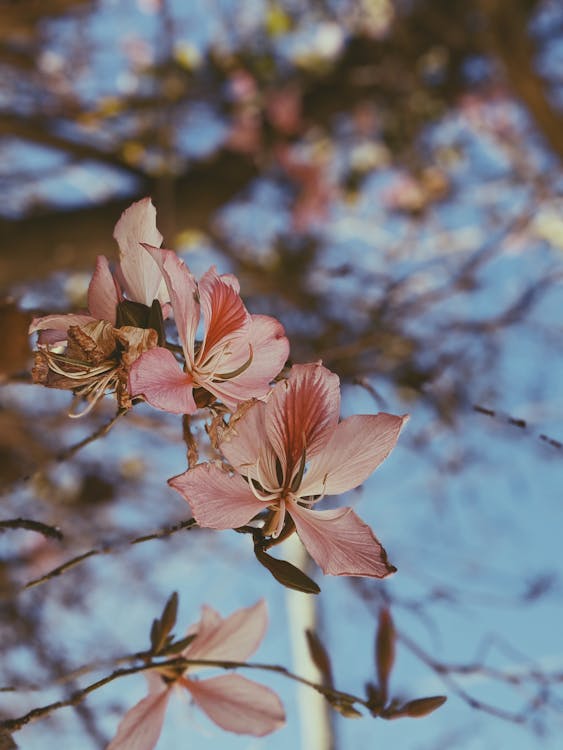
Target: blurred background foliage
<point>385,177</point>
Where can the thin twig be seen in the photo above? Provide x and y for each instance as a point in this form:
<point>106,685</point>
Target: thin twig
<point>30,525</point>
<point>110,549</point>
<point>100,432</point>
<point>335,697</point>
<point>516,422</point>
<point>190,441</point>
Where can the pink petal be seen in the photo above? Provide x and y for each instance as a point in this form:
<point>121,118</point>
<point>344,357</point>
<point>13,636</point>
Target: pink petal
<point>302,413</point>
<point>245,439</point>
<point>270,349</point>
<point>157,376</point>
<point>217,499</point>
<point>357,447</point>
<point>340,542</point>
<point>142,277</point>
<point>239,705</point>
<point>141,726</point>
<point>223,310</point>
<point>103,294</point>
<point>53,328</point>
<point>234,638</point>
<point>184,296</point>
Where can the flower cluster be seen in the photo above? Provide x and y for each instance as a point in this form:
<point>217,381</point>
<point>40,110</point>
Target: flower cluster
<point>281,446</point>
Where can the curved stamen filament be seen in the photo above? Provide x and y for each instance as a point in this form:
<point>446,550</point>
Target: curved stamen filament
<point>265,497</point>
<point>267,487</point>
<point>212,366</point>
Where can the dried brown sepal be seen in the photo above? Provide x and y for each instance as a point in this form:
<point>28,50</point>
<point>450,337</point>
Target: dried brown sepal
<point>134,342</point>
<point>286,573</point>
<point>320,657</point>
<point>93,343</point>
<point>384,651</point>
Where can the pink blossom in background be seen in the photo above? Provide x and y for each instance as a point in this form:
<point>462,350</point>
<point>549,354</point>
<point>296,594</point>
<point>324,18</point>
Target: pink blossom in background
<point>233,702</point>
<point>287,454</point>
<point>137,276</point>
<point>240,353</point>
<point>315,187</point>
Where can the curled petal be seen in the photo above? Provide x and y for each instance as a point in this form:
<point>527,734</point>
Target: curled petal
<point>218,500</point>
<point>141,726</point>
<point>157,376</point>
<point>103,294</point>
<point>238,705</point>
<point>53,328</point>
<point>184,296</point>
<point>340,542</point>
<point>302,413</point>
<point>224,312</point>
<point>269,349</point>
<point>356,448</point>
<point>234,638</point>
<point>141,276</point>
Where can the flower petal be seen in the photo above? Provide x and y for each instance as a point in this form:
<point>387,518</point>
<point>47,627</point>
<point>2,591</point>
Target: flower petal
<point>224,313</point>
<point>103,294</point>
<point>302,413</point>
<point>244,439</point>
<point>239,705</point>
<point>217,499</point>
<point>53,328</point>
<point>269,349</point>
<point>357,447</point>
<point>141,726</point>
<point>340,542</point>
<point>184,296</point>
<point>142,278</point>
<point>234,638</point>
<point>157,376</point>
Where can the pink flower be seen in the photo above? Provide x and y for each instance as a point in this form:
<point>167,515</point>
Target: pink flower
<point>233,702</point>
<point>240,353</point>
<point>287,454</point>
<point>137,278</point>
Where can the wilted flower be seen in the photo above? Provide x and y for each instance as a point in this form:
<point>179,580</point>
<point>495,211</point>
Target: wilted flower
<point>137,279</point>
<point>233,702</point>
<point>238,357</point>
<point>287,454</point>
<point>91,353</point>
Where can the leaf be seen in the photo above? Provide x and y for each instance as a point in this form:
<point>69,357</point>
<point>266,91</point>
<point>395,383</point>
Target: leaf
<point>286,573</point>
<point>384,650</point>
<point>320,656</point>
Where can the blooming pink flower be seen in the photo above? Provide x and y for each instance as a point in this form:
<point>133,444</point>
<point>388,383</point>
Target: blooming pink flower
<point>287,454</point>
<point>137,278</point>
<point>240,353</point>
<point>233,702</point>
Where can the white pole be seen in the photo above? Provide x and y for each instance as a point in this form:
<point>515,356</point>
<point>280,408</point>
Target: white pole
<point>314,711</point>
